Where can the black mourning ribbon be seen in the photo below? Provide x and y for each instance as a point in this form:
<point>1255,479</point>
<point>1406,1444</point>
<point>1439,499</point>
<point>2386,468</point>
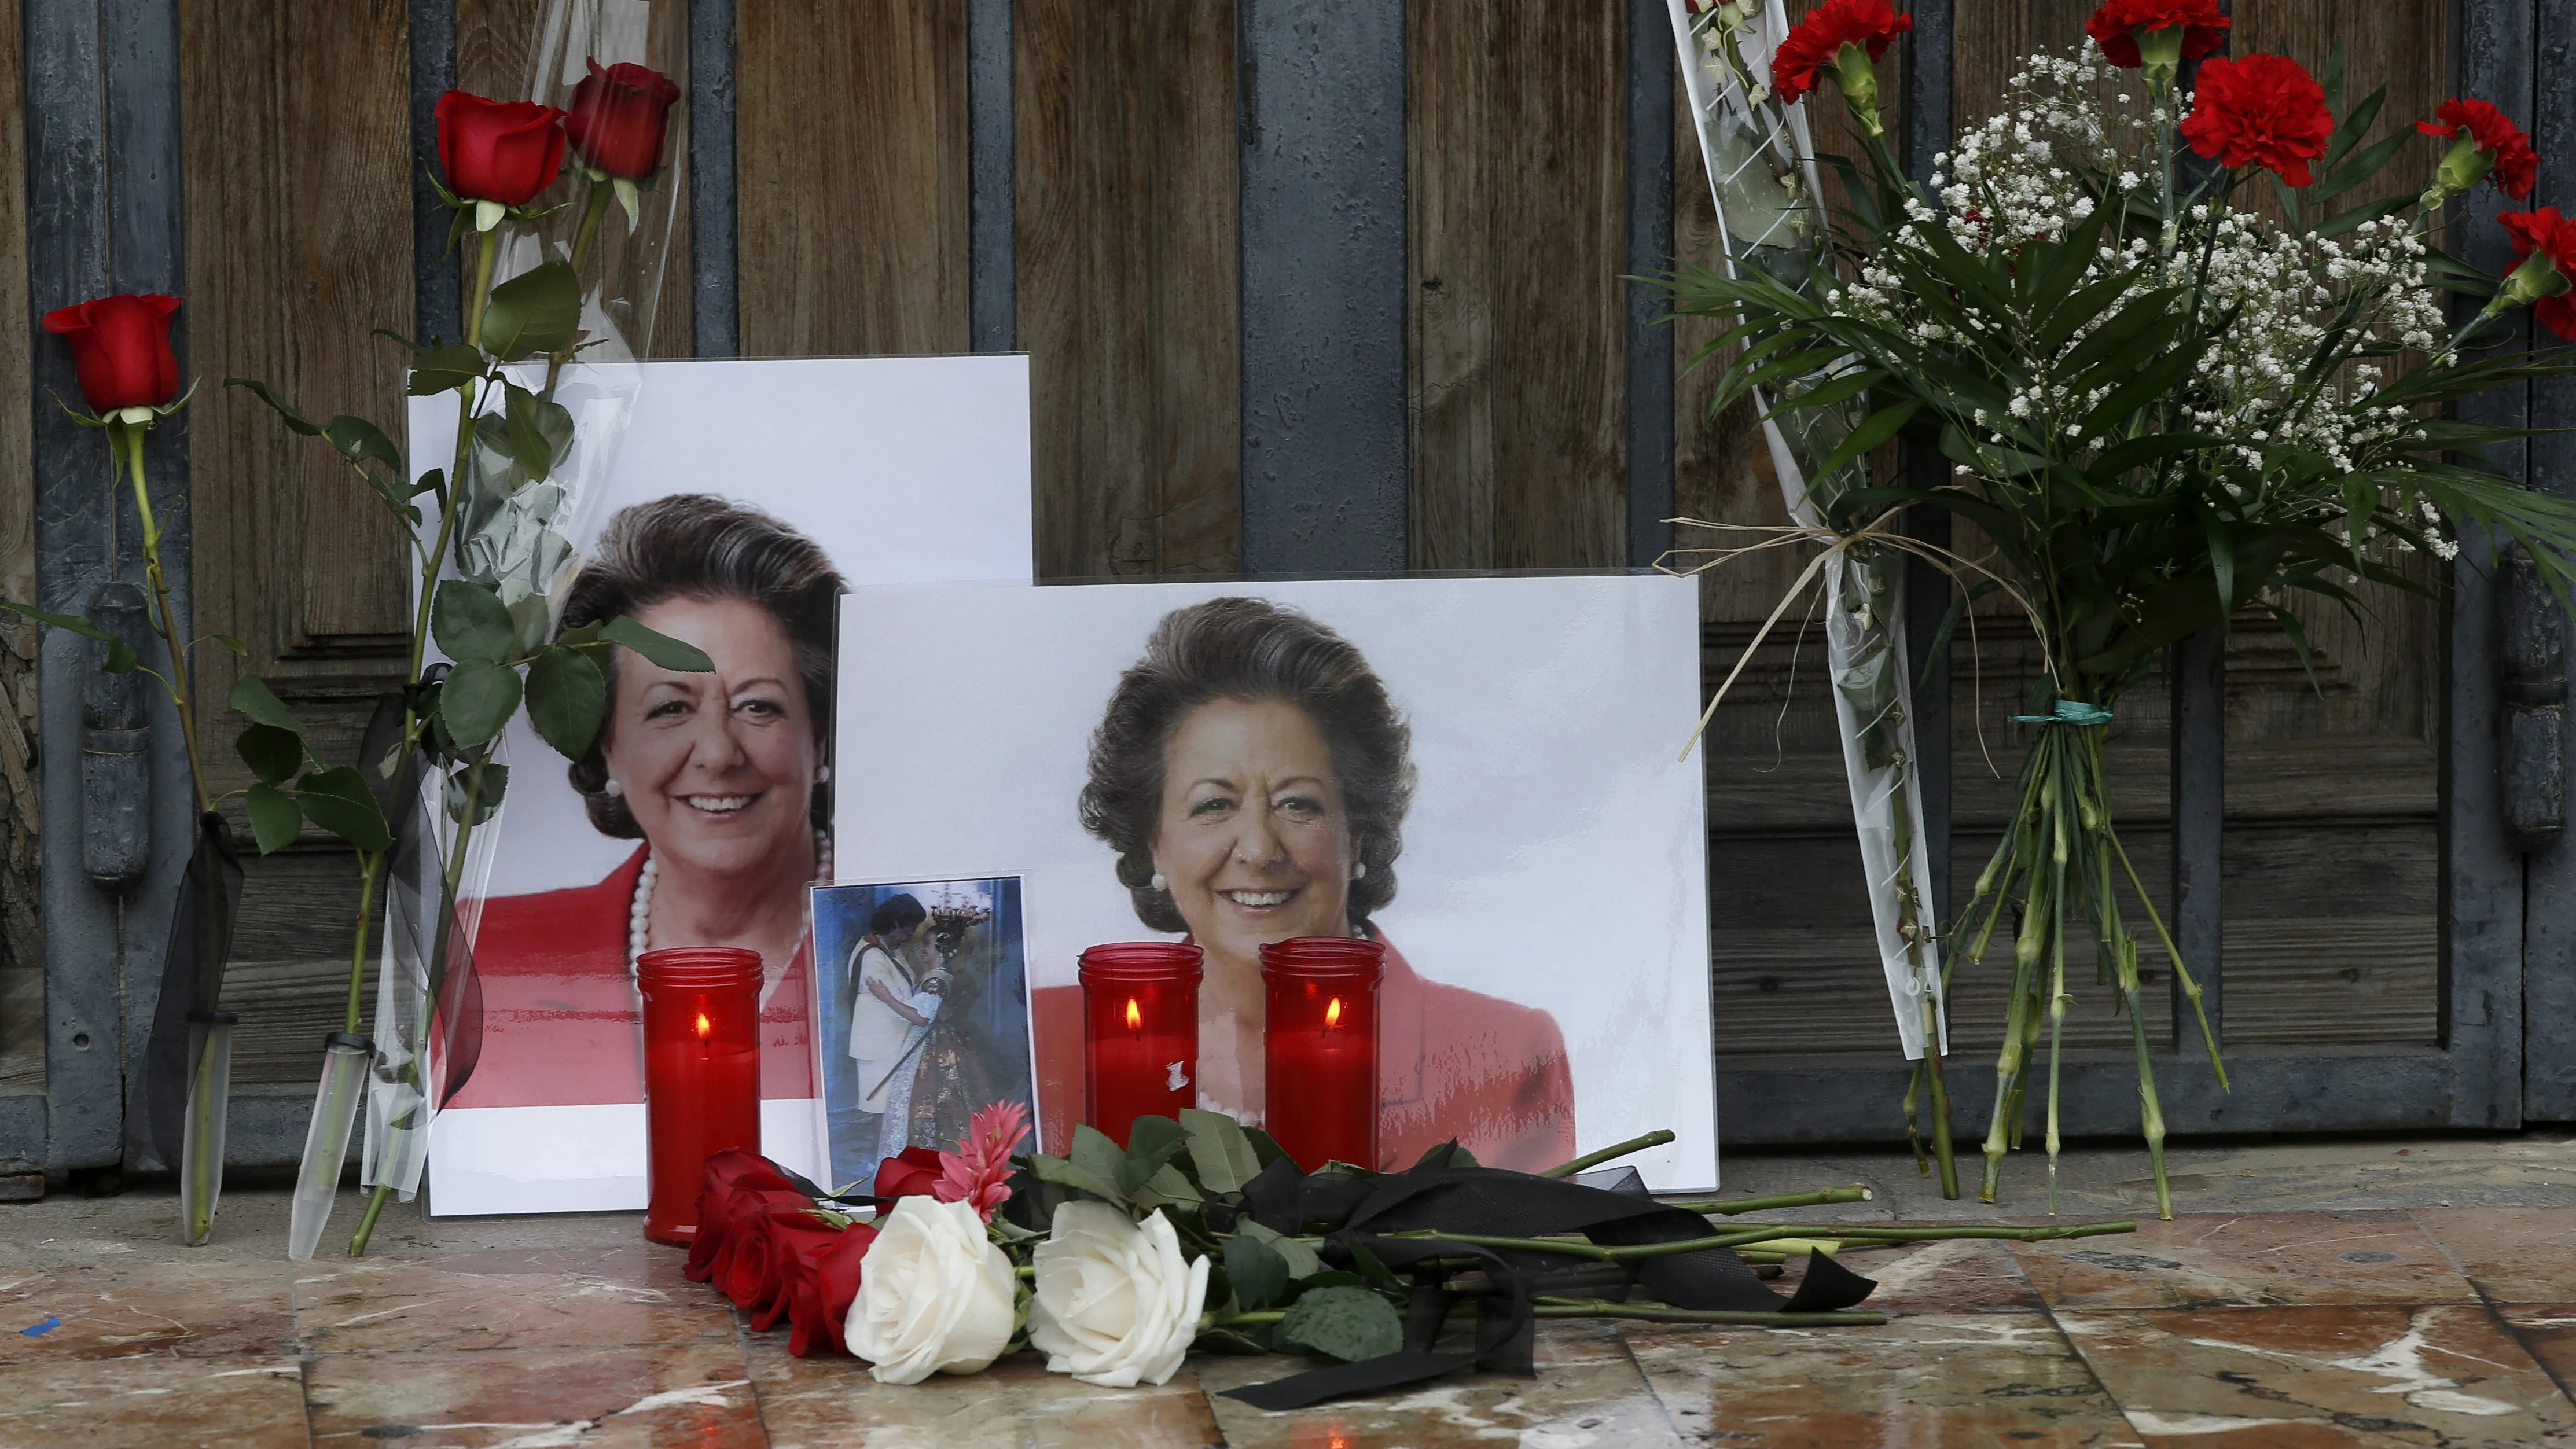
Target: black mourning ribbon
<point>192,977</point>
<point>1610,1208</point>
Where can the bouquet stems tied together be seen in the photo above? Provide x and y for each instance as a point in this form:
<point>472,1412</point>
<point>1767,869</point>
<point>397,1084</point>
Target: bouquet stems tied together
<point>2161,406</point>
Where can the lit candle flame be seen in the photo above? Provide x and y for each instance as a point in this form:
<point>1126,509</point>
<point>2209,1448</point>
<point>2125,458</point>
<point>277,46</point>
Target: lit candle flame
<point>1333,1013</point>
<point>1135,1018</point>
<point>702,1026</point>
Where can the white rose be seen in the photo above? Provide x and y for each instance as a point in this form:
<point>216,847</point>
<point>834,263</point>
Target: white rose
<point>1115,1305</point>
<point>935,1295</point>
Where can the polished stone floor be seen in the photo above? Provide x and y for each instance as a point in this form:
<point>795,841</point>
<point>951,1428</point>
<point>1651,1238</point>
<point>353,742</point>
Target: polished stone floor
<point>2366,1293</point>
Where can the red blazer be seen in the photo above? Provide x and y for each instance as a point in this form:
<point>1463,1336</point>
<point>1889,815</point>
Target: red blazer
<point>561,1022</point>
<point>1451,1063</point>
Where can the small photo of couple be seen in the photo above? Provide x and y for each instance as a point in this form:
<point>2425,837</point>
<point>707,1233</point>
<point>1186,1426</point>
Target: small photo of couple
<point>924,1008</point>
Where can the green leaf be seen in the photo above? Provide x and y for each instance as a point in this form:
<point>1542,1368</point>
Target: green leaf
<point>477,699</point>
<point>537,311</point>
<point>444,370</point>
<point>538,432</point>
<point>1301,1260</point>
<point>470,623</point>
<point>1065,1172</point>
<point>528,624</point>
<point>120,655</point>
<point>1256,1270</point>
<point>487,794</point>
<point>295,421</point>
<point>1221,1154</point>
<point>239,649</point>
<point>339,801</point>
<point>662,649</point>
<point>567,697</point>
<point>273,754</point>
<point>259,704</point>
<point>361,441</point>
<point>1344,1323</point>
<point>1151,1142</point>
<point>1263,1146</point>
<point>1168,1186</point>
<point>275,818</point>
<point>1875,429</point>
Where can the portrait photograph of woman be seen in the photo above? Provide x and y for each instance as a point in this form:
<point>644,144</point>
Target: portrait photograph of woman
<point>1482,775</point>
<point>701,814</point>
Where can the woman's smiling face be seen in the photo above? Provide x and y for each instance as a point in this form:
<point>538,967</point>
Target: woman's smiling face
<point>1254,839</point>
<point>718,768</point>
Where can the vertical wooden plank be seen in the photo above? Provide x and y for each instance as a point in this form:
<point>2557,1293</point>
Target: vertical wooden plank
<point>1649,377</point>
<point>992,98</point>
<point>2549,947</point>
<point>1518,185</point>
<point>715,312</point>
<point>22,964</point>
<point>851,179</point>
<point>1126,281</point>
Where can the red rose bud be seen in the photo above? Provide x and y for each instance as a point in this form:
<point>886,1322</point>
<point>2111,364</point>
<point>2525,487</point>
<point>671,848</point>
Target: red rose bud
<point>121,349</point>
<point>738,1184</point>
<point>618,119</point>
<point>503,152</point>
<point>796,1238</point>
<point>2264,110</point>
<point>2544,245</point>
<point>1846,34</point>
<point>2157,35</point>
<point>913,1173</point>
<point>2486,142</point>
<point>820,1290</point>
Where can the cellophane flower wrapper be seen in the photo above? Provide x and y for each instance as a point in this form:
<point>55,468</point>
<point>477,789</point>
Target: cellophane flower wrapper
<point>1771,217</point>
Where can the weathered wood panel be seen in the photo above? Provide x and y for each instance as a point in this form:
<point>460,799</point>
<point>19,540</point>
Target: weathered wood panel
<point>1127,294</point>
<point>299,240</point>
<point>1519,233</point>
<point>851,182</point>
<point>22,963</point>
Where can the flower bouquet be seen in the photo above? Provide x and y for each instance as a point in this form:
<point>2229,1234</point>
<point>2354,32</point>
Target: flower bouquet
<point>1200,1233</point>
<point>2178,373</point>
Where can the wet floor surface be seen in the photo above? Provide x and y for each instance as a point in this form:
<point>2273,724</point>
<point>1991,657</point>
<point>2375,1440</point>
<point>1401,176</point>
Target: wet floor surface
<point>2245,1326</point>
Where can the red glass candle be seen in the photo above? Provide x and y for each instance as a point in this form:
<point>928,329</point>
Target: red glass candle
<point>1319,1036</point>
<point>701,1073</point>
<point>1140,1032</point>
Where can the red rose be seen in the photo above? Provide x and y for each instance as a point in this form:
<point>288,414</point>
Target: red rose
<point>2115,28</point>
<point>1820,38</point>
<point>2552,238</point>
<point>914,1173</point>
<point>617,119</point>
<point>121,349</point>
<point>822,1282</point>
<point>2264,110</point>
<point>795,1238</point>
<point>2517,166</point>
<point>497,151</point>
<point>739,1184</point>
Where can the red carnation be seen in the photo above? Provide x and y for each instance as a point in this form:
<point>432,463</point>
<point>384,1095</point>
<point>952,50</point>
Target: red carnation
<point>2264,110</point>
<point>1820,38</point>
<point>2517,166</point>
<point>2115,28</point>
<point>2552,238</point>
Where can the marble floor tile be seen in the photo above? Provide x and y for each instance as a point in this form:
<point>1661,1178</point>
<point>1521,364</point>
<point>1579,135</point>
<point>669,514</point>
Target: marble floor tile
<point>1964,1275</point>
<point>1589,1391</point>
<point>2549,1331</point>
<point>828,1402</point>
<point>555,1299</point>
<point>1932,1381</point>
<point>695,1393</point>
<point>2248,1259</point>
<point>130,1309</point>
<point>239,1402</point>
<point>2513,1255</point>
<point>2313,1376</point>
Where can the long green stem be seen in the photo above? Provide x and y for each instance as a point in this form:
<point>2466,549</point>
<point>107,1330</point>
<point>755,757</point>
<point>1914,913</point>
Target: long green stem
<point>1656,1138</point>
<point>203,1104</point>
<point>130,436</point>
<point>1818,1198</point>
<point>593,207</point>
<point>488,253</point>
<point>369,863</point>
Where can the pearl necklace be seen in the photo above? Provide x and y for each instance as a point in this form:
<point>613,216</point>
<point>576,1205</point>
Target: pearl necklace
<point>639,914</point>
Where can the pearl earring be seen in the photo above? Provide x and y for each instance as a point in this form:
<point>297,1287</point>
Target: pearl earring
<point>615,789</point>
<point>823,776</point>
<point>1360,871</point>
<point>1158,883</point>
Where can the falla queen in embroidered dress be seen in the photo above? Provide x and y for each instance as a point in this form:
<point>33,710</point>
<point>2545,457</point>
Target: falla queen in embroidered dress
<point>720,776</point>
<point>1252,774</point>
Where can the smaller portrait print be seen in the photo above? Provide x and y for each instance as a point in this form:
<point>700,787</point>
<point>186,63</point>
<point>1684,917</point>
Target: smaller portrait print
<point>922,992</point>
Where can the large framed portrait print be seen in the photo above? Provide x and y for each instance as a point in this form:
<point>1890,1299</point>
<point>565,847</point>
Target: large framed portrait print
<point>738,503</point>
<point>1486,774</point>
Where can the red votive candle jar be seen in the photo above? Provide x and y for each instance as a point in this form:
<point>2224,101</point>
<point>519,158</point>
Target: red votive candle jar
<point>1140,1032</point>
<point>1319,1038</point>
<point>701,1074</point>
